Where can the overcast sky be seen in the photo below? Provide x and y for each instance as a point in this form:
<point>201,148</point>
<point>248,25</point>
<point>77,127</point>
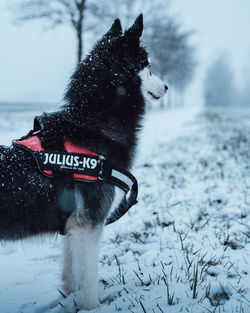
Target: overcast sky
<point>35,65</point>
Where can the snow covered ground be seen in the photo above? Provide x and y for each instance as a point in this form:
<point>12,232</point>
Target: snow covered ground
<point>184,248</point>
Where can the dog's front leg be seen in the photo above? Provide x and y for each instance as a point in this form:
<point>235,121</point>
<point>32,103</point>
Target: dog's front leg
<point>67,274</point>
<point>85,243</point>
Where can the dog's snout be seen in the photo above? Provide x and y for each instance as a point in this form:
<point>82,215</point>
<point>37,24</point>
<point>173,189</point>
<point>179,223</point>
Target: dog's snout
<point>166,88</point>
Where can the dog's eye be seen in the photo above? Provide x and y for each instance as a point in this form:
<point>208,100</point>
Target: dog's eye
<point>150,73</point>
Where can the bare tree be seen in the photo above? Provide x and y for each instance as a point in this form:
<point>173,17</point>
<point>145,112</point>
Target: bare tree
<point>56,12</point>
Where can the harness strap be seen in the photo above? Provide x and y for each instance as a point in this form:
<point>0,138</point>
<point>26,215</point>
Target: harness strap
<point>125,181</point>
<point>125,205</point>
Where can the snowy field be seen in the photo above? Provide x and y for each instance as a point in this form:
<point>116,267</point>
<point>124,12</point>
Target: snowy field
<point>184,248</point>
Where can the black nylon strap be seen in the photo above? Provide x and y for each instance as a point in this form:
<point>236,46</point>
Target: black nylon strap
<point>127,182</point>
<point>107,176</point>
<point>125,205</point>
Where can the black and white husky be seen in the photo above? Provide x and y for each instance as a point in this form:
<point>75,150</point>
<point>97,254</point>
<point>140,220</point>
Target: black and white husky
<point>106,97</point>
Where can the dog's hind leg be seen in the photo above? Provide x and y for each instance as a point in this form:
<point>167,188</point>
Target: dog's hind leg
<point>85,243</point>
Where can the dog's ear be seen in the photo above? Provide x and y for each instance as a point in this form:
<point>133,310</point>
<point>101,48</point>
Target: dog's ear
<point>136,29</point>
<point>115,30</point>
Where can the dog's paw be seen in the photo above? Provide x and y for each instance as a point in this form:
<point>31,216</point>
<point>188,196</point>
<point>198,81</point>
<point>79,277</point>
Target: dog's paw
<point>91,305</point>
<point>87,303</point>
<point>67,287</point>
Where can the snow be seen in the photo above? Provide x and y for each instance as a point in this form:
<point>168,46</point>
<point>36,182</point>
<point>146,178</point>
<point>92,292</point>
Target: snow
<point>190,228</point>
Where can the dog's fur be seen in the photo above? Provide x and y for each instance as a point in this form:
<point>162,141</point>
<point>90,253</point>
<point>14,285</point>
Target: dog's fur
<point>106,98</point>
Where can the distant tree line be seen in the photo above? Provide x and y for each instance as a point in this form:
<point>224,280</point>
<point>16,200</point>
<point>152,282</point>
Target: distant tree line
<point>220,88</point>
<point>173,57</point>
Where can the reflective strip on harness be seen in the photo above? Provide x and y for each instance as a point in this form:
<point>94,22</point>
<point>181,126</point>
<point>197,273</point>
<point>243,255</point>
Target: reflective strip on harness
<point>122,177</point>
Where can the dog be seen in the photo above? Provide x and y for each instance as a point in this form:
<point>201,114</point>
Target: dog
<point>106,99</point>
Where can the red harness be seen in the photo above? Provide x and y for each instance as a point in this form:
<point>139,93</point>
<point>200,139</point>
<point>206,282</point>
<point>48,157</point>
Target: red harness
<point>87,166</point>
<point>34,144</point>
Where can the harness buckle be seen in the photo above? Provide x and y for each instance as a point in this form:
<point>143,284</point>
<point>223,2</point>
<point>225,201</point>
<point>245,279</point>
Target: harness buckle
<point>101,162</point>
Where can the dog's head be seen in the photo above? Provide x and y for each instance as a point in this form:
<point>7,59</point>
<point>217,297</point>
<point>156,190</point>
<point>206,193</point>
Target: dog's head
<point>113,81</point>
<point>123,53</point>
<point>152,87</point>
